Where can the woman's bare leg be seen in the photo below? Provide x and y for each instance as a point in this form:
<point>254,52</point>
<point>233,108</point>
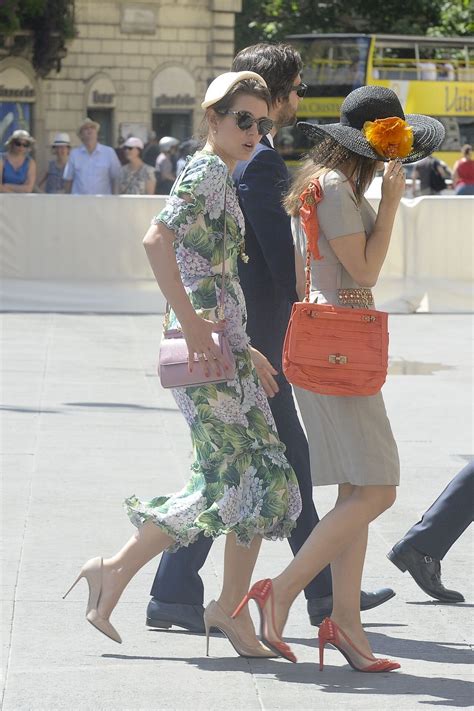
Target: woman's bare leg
<point>346,571</point>
<point>239,563</point>
<point>148,542</point>
<point>334,533</point>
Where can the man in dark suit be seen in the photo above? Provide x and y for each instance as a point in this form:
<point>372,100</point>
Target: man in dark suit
<point>424,546</point>
<point>269,285</point>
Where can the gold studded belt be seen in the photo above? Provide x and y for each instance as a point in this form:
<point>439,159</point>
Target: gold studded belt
<point>360,298</point>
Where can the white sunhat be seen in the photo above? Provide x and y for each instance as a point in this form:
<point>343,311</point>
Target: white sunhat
<point>20,135</point>
<point>222,84</point>
<point>61,139</point>
<point>167,143</point>
<point>133,142</point>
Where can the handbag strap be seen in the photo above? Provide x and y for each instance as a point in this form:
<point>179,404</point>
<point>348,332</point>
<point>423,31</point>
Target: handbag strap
<point>221,305</point>
<point>309,200</point>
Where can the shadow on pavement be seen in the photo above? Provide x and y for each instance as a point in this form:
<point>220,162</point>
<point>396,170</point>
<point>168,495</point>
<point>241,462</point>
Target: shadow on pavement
<point>442,691</point>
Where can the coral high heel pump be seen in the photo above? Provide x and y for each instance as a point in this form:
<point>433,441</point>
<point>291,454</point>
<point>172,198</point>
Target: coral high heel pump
<point>93,572</point>
<point>262,593</point>
<point>330,633</point>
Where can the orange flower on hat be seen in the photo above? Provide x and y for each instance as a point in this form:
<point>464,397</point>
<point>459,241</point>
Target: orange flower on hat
<point>389,137</point>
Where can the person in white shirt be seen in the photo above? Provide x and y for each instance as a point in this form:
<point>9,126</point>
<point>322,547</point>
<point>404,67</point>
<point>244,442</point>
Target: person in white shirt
<point>92,169</point>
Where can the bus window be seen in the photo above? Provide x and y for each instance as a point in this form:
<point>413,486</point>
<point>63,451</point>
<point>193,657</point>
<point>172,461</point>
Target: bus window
<point>331,62</point>
<point>394,61</point>
<point>423,60</point>
<point>459,130</point>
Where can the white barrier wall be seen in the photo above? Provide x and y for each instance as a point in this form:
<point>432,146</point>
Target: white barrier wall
<point>81,253</point>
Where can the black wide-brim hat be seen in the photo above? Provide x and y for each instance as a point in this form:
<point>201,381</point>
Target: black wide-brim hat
<point>369,103</point>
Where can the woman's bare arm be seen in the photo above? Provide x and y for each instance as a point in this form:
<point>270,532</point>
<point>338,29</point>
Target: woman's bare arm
<point>150,186</point>
<point>197,331</point>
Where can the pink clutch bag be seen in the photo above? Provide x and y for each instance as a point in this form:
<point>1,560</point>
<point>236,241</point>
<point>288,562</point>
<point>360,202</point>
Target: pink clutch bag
<point>173,362</point>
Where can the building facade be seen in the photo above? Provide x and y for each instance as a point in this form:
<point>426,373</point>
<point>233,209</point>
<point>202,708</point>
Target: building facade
<point>133,67</point>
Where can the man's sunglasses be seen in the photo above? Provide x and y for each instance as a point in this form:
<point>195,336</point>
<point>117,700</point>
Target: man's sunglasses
<point>245,120</point>
<point>21,143</point>
<point>300,89</point>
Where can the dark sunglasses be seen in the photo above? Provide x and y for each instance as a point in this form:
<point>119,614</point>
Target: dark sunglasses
<point>20,143</point>
<point>128,148</point>
<point>300,89</point>
<point>245,120</point>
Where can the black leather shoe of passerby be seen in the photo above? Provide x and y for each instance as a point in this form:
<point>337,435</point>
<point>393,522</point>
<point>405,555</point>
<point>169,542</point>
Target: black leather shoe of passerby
<point>425,571</point>
<point>164,615</point>
<point>321,607</point>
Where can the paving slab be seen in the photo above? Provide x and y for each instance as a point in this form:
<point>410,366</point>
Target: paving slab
<point>86,424</point>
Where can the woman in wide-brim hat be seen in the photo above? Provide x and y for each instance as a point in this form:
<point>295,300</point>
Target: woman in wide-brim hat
<point>350,438</point>
<point>17,167</point>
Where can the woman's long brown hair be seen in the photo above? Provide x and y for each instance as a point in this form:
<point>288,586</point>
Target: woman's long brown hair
<point>330,155</point>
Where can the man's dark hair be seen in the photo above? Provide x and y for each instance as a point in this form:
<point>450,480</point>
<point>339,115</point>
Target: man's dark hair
<point>278,64</point>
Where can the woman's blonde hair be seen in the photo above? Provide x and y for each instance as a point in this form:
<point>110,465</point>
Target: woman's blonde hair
<point>325,156</point>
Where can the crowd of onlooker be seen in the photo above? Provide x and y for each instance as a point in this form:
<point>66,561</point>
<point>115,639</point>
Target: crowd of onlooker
<point>133,168</point>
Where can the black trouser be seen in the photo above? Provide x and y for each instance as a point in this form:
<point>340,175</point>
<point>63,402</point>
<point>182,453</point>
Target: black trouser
<point>448,517</point>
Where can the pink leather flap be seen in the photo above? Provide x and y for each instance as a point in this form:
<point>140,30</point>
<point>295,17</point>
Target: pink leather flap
<point>176,350</point>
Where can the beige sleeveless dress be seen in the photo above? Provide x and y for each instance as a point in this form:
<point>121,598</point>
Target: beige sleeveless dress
<point>350,438</point>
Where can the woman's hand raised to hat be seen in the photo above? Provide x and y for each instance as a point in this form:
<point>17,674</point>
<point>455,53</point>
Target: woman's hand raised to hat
<point>393,182</point>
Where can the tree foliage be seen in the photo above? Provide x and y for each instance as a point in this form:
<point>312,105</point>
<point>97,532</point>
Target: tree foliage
<point>48,25</point>
<point>273,20</point>
<point>457,18</point>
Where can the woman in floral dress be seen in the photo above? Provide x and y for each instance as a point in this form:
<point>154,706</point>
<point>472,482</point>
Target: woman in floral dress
<point>241,483</point>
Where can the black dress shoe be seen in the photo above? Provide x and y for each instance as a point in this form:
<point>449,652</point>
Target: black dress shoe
<point>164,615</point>
<point>321,607</point>
<point>425,571</point>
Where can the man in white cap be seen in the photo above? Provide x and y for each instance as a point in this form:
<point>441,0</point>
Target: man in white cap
<point>92,169</point>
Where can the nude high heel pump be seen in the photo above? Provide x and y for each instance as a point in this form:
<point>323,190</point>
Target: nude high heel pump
<point>262,593</point>
<point>92,571</point>
<point>330,633</point>
<point>214,616</point>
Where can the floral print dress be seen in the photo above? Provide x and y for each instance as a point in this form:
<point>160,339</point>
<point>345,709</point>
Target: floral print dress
<point>240,480</point>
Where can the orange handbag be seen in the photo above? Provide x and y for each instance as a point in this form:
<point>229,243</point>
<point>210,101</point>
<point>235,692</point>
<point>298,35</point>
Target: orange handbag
<point>328,349</point>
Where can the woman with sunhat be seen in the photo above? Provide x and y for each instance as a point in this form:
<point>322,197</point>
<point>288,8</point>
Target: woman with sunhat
<point>17,167</point>
<point>241,484</point>
<point>53,176</point>
<point>350,438</point>
<point>136,177</point>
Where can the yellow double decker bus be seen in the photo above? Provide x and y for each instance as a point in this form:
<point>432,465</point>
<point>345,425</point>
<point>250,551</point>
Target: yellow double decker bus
<point>431,75</point>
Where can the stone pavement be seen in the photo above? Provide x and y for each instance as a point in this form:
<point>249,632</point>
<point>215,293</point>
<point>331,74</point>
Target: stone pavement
<point>86,424</point>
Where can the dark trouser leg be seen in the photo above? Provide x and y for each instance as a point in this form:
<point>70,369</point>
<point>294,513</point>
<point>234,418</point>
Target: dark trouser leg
<point>447,517</point>
<point>177,579</point>
<point>292,435</point>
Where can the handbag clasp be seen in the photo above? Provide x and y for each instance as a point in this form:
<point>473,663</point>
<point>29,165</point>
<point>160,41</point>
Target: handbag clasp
<point>337,359</point>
